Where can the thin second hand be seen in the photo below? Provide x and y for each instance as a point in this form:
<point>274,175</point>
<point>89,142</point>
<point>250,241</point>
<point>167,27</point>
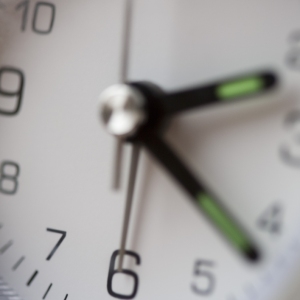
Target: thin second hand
<point>126,41</point>
<point>130,190</point>
<point>123,78</point>
<point>118,158</point>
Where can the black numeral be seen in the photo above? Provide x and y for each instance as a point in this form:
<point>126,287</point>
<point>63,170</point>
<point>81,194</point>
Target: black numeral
<point>37,15</point>
<point>271,219</point>
<point>293,56</point>
<point>205,284</point>
<point>9,178</point>
<point>23,5</point>
<point>16,94</point>
<point>38,6</point>
<point>63,236</point>
<point>290,150</point>
<point>112,272</point>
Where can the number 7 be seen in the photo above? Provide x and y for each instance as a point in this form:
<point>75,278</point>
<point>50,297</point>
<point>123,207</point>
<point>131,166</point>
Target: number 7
<point>64,234</point>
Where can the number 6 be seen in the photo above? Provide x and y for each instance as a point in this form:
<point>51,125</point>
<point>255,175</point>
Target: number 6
<point>112,272</point>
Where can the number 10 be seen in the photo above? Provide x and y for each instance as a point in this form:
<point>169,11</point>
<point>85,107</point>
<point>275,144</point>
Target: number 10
<point>24,5</point>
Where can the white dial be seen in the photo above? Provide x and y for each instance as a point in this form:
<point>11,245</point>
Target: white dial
<point>60,219</point>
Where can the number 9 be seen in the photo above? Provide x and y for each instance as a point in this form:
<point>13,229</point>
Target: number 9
<point>18,93</point>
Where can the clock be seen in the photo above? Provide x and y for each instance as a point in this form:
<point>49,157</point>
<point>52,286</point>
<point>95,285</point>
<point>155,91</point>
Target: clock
<point>149,149</point>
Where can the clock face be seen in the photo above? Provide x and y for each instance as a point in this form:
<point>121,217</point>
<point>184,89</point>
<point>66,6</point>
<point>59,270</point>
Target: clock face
<point>61,221</point>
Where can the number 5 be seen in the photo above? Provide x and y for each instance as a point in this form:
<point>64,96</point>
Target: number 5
<point>203,276</point>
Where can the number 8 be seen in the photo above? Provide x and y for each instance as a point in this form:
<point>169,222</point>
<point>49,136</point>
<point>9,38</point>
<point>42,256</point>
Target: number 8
<point>9,177</point>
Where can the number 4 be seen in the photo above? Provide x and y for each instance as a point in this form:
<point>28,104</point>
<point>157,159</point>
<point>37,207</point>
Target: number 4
<point>63,236</point>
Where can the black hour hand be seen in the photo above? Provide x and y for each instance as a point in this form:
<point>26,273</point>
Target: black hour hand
<point>232,89</point>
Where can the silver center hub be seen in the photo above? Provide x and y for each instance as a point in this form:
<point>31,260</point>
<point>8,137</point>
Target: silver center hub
<point>122,110</point>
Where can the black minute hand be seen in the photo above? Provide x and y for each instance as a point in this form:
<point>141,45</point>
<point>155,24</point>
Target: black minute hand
<point>228,90</point>
<point>199,195</point>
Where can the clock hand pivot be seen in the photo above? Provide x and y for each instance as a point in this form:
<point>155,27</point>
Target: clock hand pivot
<point>121,110</point>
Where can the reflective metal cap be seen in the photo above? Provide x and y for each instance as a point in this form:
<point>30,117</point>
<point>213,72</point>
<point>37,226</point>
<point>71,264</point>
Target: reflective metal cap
<point>121,109</point>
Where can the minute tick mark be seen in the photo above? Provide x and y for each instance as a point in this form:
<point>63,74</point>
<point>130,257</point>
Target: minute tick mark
<point>32,277</point>
<point>6,247</point>
<point>48,289</point>
<point>18,263</point>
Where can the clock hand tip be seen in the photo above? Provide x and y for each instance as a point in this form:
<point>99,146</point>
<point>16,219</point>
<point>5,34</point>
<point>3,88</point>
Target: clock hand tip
<point>228,227</point>
<point>271,79</point>
<point>252,254</point>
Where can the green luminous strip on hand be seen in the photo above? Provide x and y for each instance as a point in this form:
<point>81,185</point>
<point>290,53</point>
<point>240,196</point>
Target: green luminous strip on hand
<point>240,88</point>
<point>222,221</point>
